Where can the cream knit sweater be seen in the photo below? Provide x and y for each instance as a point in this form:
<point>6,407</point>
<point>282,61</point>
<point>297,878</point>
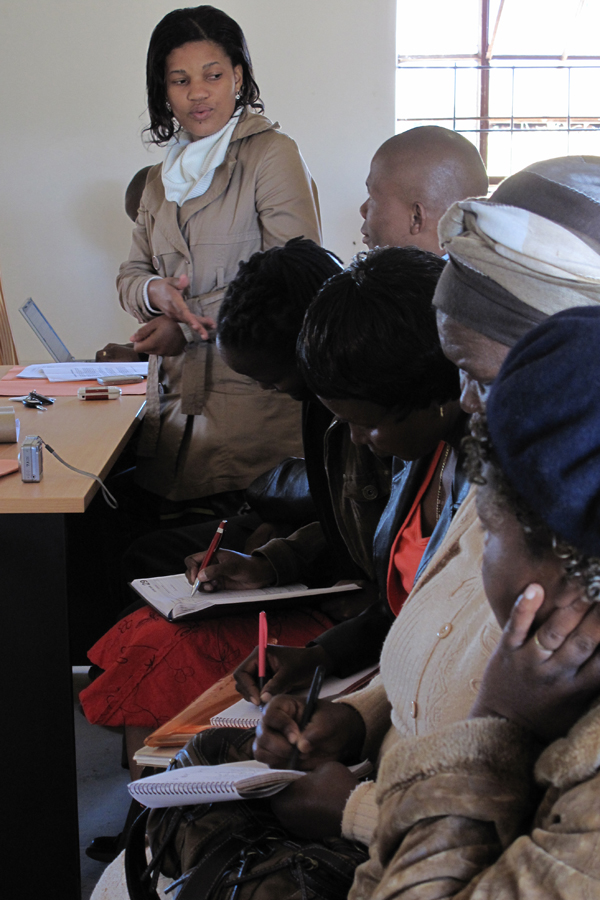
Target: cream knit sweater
<point>432,661</point>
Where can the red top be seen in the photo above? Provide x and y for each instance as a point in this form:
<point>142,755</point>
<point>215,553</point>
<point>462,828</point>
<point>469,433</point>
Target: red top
<point>409,545</point>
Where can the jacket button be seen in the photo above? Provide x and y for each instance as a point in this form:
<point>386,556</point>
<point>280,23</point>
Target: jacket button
<point>414,709</point>
<point>156,263</point>
<point>370,492</point>
<point>445,630</point>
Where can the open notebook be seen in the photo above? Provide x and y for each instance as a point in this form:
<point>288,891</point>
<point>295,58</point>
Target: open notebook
<point>210,784</point>
<point>244,714</point>
<point>222,702</point>
<point>170,596</point>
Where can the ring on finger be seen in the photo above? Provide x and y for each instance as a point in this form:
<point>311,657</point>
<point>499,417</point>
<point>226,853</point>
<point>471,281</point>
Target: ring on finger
<point>538,643</point>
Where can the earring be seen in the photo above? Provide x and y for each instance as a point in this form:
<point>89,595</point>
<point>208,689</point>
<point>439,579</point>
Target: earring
<point>442,412</point>
<point>168,105</point>
<point>238,96</point>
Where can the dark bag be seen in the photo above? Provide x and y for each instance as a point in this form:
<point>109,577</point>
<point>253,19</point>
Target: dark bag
<point>282,494</point>
<point>235,850</point>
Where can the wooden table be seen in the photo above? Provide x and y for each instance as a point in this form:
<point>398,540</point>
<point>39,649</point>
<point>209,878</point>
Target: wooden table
<point>40,789</point>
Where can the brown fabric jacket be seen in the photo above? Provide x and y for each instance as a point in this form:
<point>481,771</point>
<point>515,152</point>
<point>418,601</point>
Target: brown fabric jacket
<point>261,196</point>
<point>455,816</point>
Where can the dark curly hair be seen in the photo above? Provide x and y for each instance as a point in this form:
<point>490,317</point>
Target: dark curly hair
<point>264,305</point>
<point>195,23</point>
<point>539,538</point>
<point>371,333</point>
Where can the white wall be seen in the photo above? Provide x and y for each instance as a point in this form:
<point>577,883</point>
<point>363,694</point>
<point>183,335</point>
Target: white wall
<point>73,107</point>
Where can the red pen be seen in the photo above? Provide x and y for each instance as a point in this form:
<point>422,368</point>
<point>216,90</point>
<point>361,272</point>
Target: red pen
<point>214,546</point>
<point>262,650</point>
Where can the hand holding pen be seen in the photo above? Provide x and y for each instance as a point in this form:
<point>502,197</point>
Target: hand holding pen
<point>214,546</point>
<point>311,702</point>
<point>334,732</point>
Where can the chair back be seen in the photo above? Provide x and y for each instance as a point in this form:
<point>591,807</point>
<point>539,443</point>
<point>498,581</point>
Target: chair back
<point>8,351</point>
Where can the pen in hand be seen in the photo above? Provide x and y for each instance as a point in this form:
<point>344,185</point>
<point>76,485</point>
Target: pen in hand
<point>214,546</point>
<point>311,702</point>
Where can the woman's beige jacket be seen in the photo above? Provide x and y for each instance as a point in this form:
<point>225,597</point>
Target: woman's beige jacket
<point>460,816</point>
<point>213,430</point>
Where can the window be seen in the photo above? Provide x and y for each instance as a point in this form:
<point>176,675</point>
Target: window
<point>520,78</point>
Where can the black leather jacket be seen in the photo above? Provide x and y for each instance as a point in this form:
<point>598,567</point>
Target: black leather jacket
<point>349,487</point>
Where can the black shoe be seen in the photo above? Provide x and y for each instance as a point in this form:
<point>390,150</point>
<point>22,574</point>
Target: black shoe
<point>105,848</point>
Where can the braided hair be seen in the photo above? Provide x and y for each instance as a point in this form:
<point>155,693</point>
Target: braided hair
<point>371,333</point>
<point>264,305</point>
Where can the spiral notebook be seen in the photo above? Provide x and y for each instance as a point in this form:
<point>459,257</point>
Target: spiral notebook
<point>213,784</point>
<point>244,714</point>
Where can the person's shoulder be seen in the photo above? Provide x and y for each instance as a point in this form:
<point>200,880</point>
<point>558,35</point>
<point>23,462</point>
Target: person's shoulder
<point>154,174</point>
<point>252,123</point>
<point>258,133</point>
<point>154,192</point>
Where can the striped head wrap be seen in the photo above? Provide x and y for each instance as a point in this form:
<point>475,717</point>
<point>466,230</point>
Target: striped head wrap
<point>531,250</point>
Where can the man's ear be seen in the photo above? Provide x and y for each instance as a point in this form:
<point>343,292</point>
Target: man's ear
<point>418,217</point>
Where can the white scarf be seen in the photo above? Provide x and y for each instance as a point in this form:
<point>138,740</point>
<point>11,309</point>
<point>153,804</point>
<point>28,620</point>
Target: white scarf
<point>189,165</point>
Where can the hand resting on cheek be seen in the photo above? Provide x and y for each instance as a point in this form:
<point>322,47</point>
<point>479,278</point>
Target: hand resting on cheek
<point>543,677</point>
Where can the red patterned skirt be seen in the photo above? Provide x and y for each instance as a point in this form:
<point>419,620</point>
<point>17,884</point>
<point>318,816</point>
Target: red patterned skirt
<point>153,669</point>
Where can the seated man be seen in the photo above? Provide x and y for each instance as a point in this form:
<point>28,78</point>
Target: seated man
<point>414,178</point>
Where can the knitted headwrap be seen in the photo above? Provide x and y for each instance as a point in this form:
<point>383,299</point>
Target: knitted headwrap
<point>531,250</point>
<point>544,421</point>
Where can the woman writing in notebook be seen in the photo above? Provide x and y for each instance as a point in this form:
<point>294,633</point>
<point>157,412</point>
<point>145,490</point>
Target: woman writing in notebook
<point>369,349</point>
<point>152,668</point>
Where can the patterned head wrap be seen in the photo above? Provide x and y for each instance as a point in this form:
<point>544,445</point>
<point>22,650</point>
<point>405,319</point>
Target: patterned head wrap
<point>531,250</point>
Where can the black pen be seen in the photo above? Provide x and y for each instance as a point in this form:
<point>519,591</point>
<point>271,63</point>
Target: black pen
<point>311,702</point>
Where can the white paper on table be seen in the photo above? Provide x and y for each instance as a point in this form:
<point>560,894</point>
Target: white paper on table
<point>32,372</point>
<point>82,371</point>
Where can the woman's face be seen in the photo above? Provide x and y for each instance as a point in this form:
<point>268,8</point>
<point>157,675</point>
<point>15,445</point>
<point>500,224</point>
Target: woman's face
<point>508,565</point>
<point>388,432</point>
<point>477,357</point>
<point>201,87</point>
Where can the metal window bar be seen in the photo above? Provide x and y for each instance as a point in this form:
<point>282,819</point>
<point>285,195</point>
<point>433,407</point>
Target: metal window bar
<point>486,122</point>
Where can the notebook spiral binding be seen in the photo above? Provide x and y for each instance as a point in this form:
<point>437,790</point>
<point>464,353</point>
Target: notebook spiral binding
<point>181,789</point>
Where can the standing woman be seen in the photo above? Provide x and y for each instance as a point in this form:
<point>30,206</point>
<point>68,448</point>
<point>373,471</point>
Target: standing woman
<point>230,184</point>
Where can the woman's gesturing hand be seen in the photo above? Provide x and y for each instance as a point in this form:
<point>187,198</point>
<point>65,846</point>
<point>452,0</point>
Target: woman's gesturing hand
<point>335,733</point>
<point>159,337</point>
<point>230,571</point>
<point>166,294</point>
<point>543,680</point>
<point>291,667</point>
